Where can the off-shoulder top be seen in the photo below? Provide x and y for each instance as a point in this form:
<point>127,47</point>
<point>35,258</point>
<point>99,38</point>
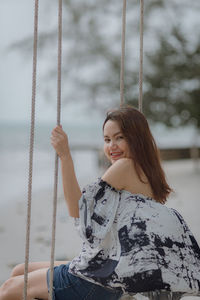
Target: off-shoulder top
<point>133,243</point>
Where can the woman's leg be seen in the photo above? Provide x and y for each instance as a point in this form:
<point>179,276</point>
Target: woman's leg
<point>33,266</point>
<point>13,288</point>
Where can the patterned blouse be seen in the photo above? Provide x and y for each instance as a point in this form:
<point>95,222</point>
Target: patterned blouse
<point>133,243</point>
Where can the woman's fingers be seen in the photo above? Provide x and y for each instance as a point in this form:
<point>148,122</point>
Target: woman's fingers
<point>59,138</point>
<point>55,133</point>
<point>58,130</point>
<point>59,141</point>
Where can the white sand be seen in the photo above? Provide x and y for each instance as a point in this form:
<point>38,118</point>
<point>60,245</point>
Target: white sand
<point>182,175</point>
<point>13,227</point>
<point>184,178</point>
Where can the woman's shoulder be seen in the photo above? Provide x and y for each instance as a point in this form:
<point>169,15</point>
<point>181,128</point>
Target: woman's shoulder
<point>117,174</point>
<point>123,164</point>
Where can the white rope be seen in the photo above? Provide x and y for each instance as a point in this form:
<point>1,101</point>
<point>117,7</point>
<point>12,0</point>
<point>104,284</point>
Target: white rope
<point>123,53</point>
<point>56,156</point>
<point>31,147</point>
<point>141,55</point>
<point>58,123</point>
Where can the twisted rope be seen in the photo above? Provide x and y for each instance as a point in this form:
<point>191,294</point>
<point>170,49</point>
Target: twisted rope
<point>123,53</point>
<point>56,156</point>
<point>31,147</point>
<point>141,55</point>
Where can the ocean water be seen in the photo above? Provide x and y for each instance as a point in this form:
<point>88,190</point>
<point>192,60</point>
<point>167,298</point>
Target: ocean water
<point>14,154</point>
<point>14,158</point>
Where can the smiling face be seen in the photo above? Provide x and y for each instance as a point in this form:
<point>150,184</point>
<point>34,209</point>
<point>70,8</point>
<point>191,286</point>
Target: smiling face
<point>115,144</point>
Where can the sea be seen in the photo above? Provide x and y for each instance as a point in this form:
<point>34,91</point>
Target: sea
<point>14,154</point>
<point>14,157</point>
<point>14,165</point>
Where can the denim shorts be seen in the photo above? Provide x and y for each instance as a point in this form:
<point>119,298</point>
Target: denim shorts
<point>70,287</point>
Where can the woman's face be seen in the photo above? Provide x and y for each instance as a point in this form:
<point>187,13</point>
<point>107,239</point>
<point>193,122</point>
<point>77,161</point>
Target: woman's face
<point>115,145</point>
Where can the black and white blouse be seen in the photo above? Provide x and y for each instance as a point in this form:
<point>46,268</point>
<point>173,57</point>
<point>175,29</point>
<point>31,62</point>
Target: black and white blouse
<point>133,243</point>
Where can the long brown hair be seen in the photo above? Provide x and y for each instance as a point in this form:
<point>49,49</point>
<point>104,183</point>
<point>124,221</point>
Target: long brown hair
<point>144,151</point>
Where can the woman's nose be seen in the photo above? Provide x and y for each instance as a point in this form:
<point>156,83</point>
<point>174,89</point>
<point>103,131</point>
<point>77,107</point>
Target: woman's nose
<point>113,144</point>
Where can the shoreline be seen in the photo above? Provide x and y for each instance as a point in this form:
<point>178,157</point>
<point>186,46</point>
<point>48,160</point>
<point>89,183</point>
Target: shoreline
<point>181,175</point>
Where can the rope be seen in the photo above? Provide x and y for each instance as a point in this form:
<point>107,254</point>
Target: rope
<point>141,54</point>
<point>56,156</point>
<point>123,53</point>
<point>31,150</point>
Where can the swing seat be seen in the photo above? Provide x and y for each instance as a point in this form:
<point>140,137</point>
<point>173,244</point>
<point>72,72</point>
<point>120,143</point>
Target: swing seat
<point>158,295</point>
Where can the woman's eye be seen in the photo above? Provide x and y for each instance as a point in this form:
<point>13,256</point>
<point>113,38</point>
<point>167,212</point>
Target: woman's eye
<point>106,140</point>
<point>120,137</point>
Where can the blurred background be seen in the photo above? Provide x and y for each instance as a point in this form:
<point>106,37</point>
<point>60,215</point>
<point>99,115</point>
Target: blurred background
<point>90,86</point>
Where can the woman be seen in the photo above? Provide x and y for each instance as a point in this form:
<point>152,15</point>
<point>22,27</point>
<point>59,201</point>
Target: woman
<point>131,241</point>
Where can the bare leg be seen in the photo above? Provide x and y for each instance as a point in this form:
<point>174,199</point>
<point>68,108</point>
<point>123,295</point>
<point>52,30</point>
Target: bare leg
<point>33,266</point>
<point>12,289</point>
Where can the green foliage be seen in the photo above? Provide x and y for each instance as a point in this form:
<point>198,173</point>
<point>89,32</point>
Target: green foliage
<point>173,94</point>
<point>92,50</point>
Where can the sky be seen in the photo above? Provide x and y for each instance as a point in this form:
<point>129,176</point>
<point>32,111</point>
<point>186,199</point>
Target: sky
<point>16,23</point>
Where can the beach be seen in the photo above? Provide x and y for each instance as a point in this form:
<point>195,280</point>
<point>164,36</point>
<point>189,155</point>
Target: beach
<point>13,210</point>
<point>183,175</point>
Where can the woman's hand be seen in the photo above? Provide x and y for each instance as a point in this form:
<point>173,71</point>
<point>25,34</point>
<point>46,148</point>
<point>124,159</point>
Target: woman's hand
<point>59,141</point>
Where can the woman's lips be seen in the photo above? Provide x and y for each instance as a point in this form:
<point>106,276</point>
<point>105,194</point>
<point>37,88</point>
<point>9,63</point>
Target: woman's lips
<point>116,154</point>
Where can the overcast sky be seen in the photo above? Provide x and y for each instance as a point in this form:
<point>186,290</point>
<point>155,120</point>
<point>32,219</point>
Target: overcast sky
<point>16,23</point>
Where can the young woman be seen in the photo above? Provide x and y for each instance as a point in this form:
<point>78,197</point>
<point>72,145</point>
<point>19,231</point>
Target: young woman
<point>131,241</point>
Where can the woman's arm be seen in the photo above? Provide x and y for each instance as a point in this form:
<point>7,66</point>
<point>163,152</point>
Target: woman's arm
<point>72,191</point>
<point>71,187</point>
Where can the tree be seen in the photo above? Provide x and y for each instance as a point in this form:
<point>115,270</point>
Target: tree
<point>92,49</point>
<point>173,94</point>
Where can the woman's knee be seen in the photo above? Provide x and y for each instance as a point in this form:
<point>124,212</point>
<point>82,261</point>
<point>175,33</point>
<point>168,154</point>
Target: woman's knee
<point>11,289</point>
<point>32,266</point>
<point>18,270</point>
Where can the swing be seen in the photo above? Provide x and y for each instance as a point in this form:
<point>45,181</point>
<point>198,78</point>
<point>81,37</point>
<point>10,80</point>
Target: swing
<point>32,144</point>
<point>151,295</point>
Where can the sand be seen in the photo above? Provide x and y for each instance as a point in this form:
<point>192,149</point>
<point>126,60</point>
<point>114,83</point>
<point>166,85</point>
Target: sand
<point>13,227</point>
<point>183,175</point>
